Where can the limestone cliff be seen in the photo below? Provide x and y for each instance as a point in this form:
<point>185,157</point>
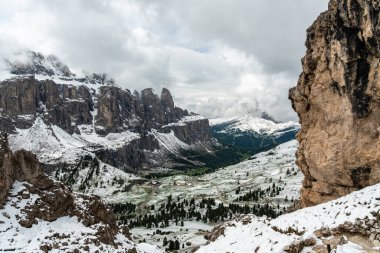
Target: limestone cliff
<point>123,129</point>
<point>337,99</point>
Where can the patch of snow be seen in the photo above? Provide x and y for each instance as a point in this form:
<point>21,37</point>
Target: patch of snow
<point>69,81</point>
<point>356,205</point>
<point>110,141</point>
<point>38,139</point>
<point>169,141</point>
<point>147,248</point>
<point>186,119</point>
<point>350,248</point>
<point>26,117</point>
<point>103,184</point>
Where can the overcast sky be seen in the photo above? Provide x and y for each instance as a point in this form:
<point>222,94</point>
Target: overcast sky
<point>220,58</point>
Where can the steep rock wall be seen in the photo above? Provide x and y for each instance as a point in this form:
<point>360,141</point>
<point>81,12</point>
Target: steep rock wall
<point>337,99</point>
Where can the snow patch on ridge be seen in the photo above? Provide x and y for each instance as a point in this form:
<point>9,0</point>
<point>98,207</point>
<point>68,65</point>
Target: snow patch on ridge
<point>111,141</point>
<point>186,119</point>
<point>70,81</point>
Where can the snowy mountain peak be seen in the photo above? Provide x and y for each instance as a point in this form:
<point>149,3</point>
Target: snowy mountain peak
<point>33,63</point>
<point>249,123</point>
<point>50,67</point>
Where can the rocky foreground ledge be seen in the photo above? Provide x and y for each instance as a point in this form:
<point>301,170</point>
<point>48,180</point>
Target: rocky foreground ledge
<point>348,224</point>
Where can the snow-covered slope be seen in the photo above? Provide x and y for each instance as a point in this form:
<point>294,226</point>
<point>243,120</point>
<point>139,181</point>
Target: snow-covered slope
<point>251,133</point>
<point>54,145</point>
<point>38,214</point>
<point>348,224</point>
<point>253,124</point>
<point>64,234</point>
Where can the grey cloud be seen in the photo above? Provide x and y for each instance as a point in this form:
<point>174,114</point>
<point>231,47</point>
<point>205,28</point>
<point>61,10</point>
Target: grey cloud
<point>272,30</point>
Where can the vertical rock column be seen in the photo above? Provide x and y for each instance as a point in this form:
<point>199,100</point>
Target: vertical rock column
<point>337,99</point>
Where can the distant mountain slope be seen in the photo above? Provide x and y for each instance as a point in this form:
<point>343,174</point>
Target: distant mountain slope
<point>252,134</point>
<point>348,224</point>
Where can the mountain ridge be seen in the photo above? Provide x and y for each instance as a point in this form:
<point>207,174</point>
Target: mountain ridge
<point>253,134</point>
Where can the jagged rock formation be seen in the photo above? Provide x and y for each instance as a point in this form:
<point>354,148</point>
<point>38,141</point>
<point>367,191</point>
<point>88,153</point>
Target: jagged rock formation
<point>337,100</point>
<point>29,198</point>
<point>43,94</point>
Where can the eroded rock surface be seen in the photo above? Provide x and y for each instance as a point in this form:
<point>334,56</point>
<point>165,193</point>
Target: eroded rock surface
<point>337,99</point>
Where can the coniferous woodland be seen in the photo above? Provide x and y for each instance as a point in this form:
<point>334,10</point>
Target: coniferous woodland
<point>207,210</point>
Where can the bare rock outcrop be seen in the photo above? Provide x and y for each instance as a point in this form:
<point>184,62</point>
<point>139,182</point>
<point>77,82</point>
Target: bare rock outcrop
<point>21,165</point>
<point>337,99</point>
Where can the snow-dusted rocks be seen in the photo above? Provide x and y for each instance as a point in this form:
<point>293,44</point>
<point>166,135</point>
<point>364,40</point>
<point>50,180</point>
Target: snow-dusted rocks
<point>39,215</point>
<point>348,224</point>
<point>35,220</point>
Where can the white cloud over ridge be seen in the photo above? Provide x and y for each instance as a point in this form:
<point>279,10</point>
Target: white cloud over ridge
<point>220,58</point>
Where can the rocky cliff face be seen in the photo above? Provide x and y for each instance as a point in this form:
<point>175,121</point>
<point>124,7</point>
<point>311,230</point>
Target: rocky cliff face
<point>22,166</point>
<point>30,201</point>
<point>337,99</point>
<point>43,95</point>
